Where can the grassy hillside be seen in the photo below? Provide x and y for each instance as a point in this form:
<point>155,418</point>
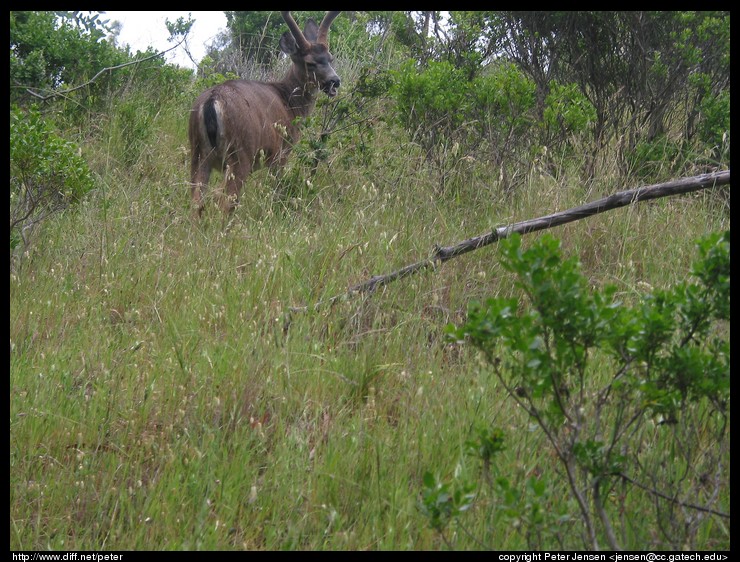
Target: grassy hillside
<point>163,396</point>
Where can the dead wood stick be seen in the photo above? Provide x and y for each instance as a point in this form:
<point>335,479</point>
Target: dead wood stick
<point>621,199</point>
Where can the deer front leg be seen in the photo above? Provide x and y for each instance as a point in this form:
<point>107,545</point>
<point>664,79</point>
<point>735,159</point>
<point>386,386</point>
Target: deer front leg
<point>230,196</point>
<point>234,177</point>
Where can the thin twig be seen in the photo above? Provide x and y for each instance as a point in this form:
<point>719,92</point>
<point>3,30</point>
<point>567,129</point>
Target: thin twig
<point>674,500</point>
<point>84,84</point>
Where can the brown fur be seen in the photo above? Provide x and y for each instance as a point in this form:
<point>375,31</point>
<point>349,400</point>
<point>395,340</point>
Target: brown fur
<point>254,123</point>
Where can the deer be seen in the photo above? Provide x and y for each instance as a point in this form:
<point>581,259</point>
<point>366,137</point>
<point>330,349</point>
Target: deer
<point>239,126</point>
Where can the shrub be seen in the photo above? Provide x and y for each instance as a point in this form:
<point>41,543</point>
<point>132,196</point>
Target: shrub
<point>626,395</point>
<point>47,172</point>
<point>567,110</point>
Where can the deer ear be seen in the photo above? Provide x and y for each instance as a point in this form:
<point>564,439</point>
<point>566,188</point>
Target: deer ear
<point>287,44</point>
<point>311,31</point>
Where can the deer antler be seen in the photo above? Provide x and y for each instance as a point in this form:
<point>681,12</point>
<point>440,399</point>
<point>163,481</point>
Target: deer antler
<point>301,41</point>
<point>324,27</point>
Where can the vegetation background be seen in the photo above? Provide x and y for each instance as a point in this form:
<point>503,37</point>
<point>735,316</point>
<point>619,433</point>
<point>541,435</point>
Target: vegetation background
<point>164,396</point>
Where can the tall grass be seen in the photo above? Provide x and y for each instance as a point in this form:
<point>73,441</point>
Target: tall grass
<point>163,396</point>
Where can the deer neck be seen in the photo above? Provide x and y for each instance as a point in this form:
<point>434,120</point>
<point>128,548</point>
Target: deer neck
<point>300,96</point>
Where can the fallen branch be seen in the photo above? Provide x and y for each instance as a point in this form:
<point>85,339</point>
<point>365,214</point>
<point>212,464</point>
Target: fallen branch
<point>620,199</point>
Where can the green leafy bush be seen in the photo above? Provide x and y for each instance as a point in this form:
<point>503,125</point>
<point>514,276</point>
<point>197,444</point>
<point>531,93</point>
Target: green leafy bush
<point>501,103</point>
<point>430,102</point>
<point>453,118</point>
<point>56,50</point>
<point>441,502</point>
<point>567,110</point>
<point>604,379</point>
<point>714,128</point>
<point>47,171</point>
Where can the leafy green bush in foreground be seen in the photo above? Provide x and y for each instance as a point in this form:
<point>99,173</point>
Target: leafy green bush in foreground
<point>633,399</point>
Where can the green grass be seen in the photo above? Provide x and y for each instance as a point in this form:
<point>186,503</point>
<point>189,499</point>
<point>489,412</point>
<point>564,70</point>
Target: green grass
<point>162,395</point>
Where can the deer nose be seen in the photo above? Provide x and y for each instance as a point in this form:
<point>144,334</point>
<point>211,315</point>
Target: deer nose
<point>331,86</point>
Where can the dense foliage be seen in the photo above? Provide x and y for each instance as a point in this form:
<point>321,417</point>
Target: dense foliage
<point>58,96</point>
<point>46,172</point>
<point>603,379</point>
<point>172,385</point>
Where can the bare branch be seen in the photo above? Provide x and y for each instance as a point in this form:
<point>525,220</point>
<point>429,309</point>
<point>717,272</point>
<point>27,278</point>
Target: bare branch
<point>107,69</point>
<point>674,500</point>
<point>615,201</point>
